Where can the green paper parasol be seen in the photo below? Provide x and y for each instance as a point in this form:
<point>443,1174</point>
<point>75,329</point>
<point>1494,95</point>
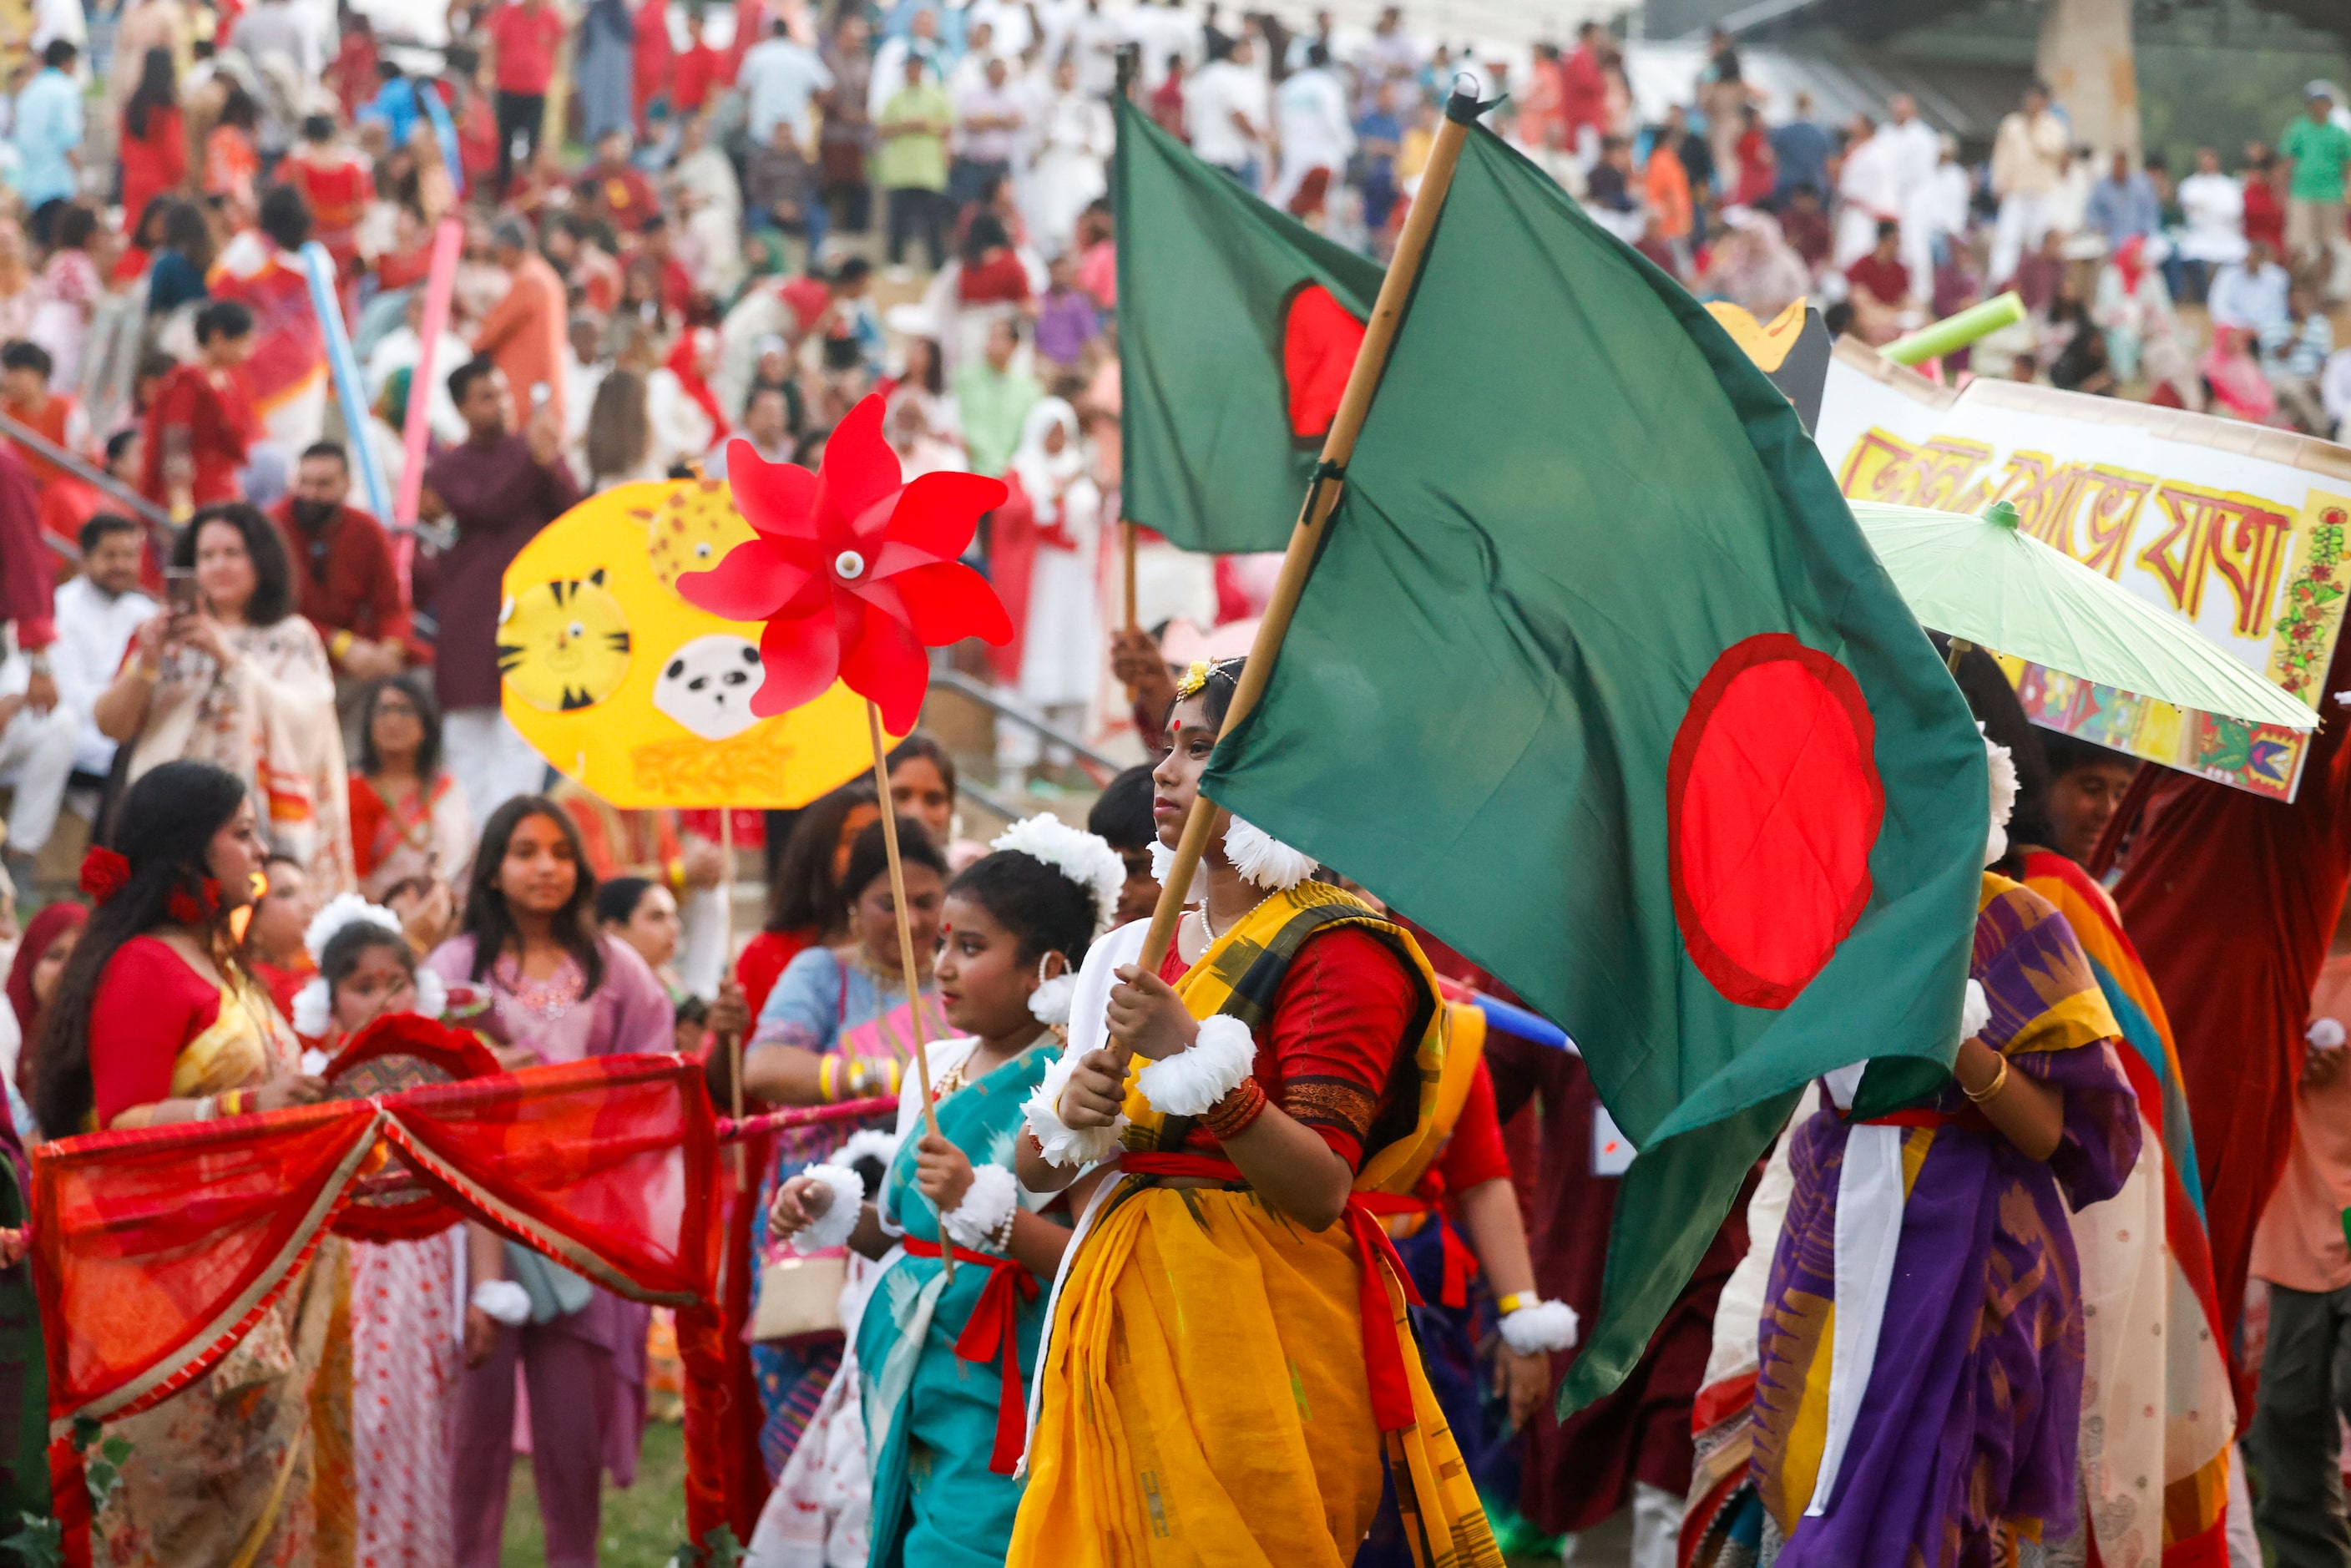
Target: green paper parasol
<point>1983,580</point>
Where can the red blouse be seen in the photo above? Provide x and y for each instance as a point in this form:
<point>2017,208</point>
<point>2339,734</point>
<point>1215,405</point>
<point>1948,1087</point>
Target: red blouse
<point>1330,1054</point>
<point>148,1005</point>
<point>763,961</point>
<point>1473,1155</point>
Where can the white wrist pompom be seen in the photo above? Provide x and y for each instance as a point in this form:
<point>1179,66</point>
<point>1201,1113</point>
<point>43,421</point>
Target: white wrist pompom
<point>987,1204</point>
<point>1975,1012</point>
<point>503,1300</point>
<point>313,1013</point>
<point>1263,859</point>
<point>867,1143</point>
<point>1541,1327</point>
<point>2325,1034</point>
<point>1191,1081</point>
<point>833,1226</point>
<point>1050,1002</point>
<point>432,994</point>
<point>1061,1144</point>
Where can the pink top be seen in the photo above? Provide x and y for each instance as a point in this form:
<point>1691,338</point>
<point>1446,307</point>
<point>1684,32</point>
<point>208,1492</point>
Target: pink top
<point>2299,1243</point>
<point>629,1012</point>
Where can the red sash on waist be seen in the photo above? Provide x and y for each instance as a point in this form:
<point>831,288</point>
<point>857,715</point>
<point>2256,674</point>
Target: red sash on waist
<point>1383,1358</point>
<point>1460,1263</point>
<point>994,1334</point>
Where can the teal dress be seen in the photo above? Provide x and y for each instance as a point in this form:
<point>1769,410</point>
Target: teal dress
<point>930,1417</point>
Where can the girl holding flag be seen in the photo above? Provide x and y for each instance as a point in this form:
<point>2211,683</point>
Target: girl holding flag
<point>944,1361</point>
<point>1230,1286</point>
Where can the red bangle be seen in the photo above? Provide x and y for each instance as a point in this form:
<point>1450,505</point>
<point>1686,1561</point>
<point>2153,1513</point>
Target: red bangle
<point>1230,1116</point>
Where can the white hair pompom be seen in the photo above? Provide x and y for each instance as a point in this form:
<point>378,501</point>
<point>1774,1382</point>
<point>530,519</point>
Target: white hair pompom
<point>1084,858</point>
<point>339,912</point>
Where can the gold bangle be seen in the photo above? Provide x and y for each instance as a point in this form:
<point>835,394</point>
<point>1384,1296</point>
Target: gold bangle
<point>824,1078</point>
<point>1992,1090</point>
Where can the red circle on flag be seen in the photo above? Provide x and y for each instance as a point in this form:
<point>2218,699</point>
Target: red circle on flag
<point>1772,802</point>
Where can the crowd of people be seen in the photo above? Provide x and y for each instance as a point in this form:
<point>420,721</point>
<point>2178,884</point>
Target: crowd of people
<point>275,709</point>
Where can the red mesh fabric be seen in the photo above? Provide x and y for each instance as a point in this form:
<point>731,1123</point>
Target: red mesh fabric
<point>154,1249</point>
<point>604,1165</point>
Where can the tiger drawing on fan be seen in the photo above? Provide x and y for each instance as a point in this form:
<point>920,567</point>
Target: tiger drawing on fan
<point>564,645</point>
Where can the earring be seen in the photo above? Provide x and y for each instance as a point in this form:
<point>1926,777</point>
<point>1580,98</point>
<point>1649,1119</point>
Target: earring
<point>1050,1002</point>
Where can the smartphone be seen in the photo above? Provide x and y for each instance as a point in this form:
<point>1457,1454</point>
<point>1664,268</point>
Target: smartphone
<point>180,590</point>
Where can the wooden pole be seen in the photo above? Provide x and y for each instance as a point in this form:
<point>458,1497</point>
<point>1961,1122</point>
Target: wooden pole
<point>726,950</point>
<point>1321,500</point>
<point>906,943</point>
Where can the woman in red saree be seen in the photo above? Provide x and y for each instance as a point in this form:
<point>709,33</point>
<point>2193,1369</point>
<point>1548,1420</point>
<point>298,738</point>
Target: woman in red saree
<point>155,1021</point>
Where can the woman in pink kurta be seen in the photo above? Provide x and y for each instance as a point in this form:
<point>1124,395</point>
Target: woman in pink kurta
<point>532,977</point>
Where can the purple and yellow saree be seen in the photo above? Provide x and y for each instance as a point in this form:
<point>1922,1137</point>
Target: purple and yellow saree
<point>1966,1431</point>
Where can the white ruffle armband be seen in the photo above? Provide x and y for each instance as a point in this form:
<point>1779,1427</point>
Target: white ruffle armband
<point>838,1221</point>
<point>987,1203</point>
<point>1975,1012</point>
<point>1539,1326</point>
<point>503,1301</point>
<point>1061,1144</point>
<point>1191,1081</point>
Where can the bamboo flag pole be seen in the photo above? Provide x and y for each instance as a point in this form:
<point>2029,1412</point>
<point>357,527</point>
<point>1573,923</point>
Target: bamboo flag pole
<point>905,943</point>
<point>1322,497</point>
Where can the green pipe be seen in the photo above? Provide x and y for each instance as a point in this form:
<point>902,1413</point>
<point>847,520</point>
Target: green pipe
<point>1954,332</point>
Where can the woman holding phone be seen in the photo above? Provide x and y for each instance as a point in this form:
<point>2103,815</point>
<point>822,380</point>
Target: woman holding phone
<point>230,674</point>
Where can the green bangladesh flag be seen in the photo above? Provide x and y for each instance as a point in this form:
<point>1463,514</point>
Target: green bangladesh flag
<point>1236,328</point>
<point>1596,678</point>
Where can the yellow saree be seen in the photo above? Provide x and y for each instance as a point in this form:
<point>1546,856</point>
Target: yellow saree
<point>1206,1396</point>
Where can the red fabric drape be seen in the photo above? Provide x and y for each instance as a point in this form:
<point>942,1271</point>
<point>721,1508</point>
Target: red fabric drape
<point>2230,899</point>
<point>725,1479</point>
<point>155,1250</point>
<point>604,1165</point>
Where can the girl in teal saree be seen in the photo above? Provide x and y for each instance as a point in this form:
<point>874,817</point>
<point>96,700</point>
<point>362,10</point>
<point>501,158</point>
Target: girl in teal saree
<point>945,1364</point>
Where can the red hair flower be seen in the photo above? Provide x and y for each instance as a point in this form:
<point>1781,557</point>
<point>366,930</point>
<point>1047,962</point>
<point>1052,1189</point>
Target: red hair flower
<point>103,873</point>
<point>854,570</point>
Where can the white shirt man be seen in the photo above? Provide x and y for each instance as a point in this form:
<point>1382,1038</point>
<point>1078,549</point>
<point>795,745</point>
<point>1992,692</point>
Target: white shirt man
<point>1227,106</point>
<point>97,612</point>
<point>1093,39</point>
<point>2028,159</point>
<point>1310,111</point>
<point>989,116</point>
<point>1008,20</point>
<point>1871,186</point>
<point>778,79</point>
<point>1161,31</point>
<point>279,27</point>
<point>2250,294</point>
<point>2214,207</point>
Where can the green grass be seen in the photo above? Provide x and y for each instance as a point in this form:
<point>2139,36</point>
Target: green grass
<point>641,1526</point>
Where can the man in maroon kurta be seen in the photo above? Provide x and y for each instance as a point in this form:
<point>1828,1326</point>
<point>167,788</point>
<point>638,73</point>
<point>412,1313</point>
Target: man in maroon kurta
<point>343,577</point>
<point>2230,900</point>
<point>499,489</point>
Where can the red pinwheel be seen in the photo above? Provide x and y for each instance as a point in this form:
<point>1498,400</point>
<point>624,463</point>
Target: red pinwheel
<point>854,570</point>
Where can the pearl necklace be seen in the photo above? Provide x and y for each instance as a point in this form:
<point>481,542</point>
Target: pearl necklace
<point>1210,931</point>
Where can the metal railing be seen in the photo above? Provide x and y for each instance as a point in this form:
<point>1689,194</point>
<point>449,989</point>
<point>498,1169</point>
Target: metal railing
<point>962,685</point>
